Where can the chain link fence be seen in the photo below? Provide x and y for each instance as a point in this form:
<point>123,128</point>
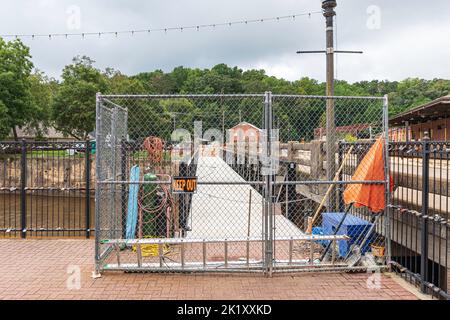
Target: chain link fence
<point>314,187</point>
<point>255,183</point>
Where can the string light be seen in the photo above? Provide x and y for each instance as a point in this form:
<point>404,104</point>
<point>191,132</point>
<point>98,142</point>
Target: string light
<point>165,30</point>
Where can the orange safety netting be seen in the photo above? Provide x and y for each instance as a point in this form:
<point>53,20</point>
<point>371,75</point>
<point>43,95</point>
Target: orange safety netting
<point>371,168</point>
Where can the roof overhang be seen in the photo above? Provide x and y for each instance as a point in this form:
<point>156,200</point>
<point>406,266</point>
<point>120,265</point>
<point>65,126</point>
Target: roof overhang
<point>435,110</point>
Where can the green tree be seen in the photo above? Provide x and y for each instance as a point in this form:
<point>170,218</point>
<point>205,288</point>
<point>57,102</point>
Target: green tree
<point>42,91</point>
<point>119,83</point>
<point>16,107</point>
<point>74,105</point>
<point>4,122</point>
<point>252,81</point>
<point>179,76</point>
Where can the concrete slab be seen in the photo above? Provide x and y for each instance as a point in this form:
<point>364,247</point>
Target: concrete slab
<point>224,210</point>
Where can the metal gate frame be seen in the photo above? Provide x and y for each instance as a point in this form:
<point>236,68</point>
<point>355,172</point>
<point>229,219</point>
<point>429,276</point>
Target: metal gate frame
<point>269,264</point>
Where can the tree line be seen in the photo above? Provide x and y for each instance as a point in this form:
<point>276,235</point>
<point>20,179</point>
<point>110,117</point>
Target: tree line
<point>31,100</point>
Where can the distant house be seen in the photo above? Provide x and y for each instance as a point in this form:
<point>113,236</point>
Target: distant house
<point>244,131</point>
<point>51,134</point>
<point>354,130</point>
<point>433,117</point>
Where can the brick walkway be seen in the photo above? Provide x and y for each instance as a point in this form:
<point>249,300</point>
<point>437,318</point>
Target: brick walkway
<point>38,269</point>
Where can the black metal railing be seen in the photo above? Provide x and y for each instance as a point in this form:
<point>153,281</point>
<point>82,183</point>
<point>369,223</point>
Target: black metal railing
<point>419,210</point>
<point>46,189</point>
<point>420,213</point>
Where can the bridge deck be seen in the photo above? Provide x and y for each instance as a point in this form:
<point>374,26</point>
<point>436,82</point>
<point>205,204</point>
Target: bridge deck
<point>224,210</point>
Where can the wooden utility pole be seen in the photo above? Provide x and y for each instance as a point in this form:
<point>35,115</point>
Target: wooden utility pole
<point>329,13</point>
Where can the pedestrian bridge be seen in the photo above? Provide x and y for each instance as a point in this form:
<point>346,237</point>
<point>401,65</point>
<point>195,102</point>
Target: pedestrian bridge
<point>229,208</point>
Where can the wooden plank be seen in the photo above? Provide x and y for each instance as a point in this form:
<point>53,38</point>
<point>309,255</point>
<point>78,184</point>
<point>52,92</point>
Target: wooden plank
<point>304,191</point>
<point>303,146</point>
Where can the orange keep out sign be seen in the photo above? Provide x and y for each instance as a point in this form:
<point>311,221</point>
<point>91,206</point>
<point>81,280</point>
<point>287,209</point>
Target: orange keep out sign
<point>184,184</point>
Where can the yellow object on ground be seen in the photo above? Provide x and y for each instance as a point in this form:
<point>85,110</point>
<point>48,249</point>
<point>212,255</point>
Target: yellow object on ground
<point>377,251</point>
<point>152,250</point>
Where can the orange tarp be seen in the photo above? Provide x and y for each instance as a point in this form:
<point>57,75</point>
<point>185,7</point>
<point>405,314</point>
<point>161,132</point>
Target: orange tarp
<point>371,168</point>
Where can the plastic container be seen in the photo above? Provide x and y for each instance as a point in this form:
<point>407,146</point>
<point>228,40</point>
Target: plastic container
<point>354,227</point>
<point>377,250</point>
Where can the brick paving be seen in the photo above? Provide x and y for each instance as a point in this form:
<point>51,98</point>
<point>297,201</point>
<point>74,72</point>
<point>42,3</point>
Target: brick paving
<point>38,269</point>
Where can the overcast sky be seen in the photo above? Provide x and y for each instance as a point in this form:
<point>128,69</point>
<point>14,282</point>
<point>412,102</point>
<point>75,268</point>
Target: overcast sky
<point>400,39</point>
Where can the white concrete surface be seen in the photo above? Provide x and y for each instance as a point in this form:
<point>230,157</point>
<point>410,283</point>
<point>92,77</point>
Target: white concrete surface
<point>222,211</point>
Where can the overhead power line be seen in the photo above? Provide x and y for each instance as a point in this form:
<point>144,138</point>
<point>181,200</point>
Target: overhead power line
<point>150,30</point>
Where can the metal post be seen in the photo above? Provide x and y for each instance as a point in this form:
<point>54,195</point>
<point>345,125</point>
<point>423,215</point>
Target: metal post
<point>116,234</point>
<point>333,252</point>
<point>123,177</point>
<point>248,225</point>
<point>268,226</point>
<point>223,126</point>
<point>183,168</point>
<point>340,200</point>
<point>98,178</point>
<point>388,179</point>
<point>160,254</point>
<point>139,254</point>
<point>117,248</point>
<point>329,13</point>
<point>425,198</point>
<point>87,165</point>
<point>23,185</point>
<point>182,254</point>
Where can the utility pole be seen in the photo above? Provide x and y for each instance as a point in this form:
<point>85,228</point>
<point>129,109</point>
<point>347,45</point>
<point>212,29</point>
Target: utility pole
<point>223,125</point>
<point>329,13</point>
<point>223,118</point>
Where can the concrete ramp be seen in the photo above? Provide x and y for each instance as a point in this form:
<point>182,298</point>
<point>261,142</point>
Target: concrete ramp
<point>224,211</point>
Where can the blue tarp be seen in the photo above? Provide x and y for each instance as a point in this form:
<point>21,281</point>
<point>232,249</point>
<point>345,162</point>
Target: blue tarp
<point>132,213</point>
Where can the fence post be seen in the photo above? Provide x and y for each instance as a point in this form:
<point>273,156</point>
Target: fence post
<point>268,194</point>
<point>98,177</point>
<point>123,177</point>
<point>87,166</point>
<point>291,151</point>
<point>291,192</point>
<point>183,168</point>
<point>340,188</point>
<point>317,166</point>
<point>425,198</point>
<point>23,184</point>
<point>388,196</point>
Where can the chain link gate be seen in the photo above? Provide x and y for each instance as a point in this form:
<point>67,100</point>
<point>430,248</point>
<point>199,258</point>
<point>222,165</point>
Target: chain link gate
<point>204,183</point>
<point>310,191</point>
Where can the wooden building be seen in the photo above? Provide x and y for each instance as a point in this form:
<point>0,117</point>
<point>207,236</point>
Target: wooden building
<point>244,131</point>
<point>433,117</point>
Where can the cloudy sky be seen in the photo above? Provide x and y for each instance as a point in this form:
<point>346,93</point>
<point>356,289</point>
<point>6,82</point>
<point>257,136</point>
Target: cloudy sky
<point>400,39</point>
